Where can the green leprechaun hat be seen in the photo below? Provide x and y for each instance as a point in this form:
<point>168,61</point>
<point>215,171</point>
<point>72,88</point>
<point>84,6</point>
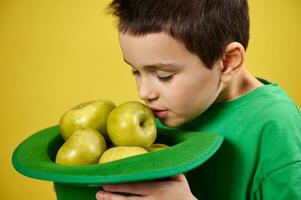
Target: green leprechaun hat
<point>35,157</point>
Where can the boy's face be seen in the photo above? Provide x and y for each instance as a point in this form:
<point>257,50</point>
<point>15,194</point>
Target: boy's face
<point>174,83</point>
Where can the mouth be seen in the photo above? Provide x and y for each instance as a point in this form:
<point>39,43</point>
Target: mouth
<point>159,113</point>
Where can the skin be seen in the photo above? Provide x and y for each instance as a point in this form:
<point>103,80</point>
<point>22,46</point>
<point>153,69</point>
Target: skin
<point>184,88</point>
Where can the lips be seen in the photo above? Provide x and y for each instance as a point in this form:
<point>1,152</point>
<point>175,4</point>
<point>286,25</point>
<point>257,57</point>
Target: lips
<point>159,113</point>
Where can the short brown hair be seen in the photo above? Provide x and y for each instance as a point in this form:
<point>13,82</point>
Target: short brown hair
<point>205,27</point>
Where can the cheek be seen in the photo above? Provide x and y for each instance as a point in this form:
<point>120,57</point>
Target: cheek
<point>193,95</point>
<point>180,97</point>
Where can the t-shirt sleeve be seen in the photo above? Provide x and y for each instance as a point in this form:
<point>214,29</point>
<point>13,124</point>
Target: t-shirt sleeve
<point>279,167</point>
<point>282,184</point>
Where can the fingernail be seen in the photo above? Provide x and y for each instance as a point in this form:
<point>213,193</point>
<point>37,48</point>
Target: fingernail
<point>99,195</point>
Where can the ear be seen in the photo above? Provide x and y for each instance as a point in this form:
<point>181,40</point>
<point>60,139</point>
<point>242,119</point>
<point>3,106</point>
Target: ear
<point>232,61</point>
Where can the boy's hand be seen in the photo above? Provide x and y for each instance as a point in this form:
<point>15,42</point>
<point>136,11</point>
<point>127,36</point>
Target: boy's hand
<point>175,188</point>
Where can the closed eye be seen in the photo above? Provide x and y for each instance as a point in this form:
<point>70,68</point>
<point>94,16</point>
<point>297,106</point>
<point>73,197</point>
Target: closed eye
<point>164,78</point>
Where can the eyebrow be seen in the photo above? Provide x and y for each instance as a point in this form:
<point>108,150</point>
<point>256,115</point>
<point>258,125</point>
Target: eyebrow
<point>156,65</point>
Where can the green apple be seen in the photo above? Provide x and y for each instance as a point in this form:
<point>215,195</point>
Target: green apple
<point>83,147</point>
<point>156,147</point>
<point>132,124</point>
<point>116,153</point>
<point>92,114</point>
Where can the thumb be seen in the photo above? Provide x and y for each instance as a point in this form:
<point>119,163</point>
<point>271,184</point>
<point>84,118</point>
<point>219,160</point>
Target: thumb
<point>178,178</point>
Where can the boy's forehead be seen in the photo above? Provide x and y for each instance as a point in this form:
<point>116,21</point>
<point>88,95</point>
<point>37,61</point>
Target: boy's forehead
<point>153,49</point>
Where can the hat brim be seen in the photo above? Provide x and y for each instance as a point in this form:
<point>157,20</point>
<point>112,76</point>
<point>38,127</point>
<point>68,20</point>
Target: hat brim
<point>35,156</point>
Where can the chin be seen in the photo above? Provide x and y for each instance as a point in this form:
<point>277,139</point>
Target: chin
<point>171,123</point>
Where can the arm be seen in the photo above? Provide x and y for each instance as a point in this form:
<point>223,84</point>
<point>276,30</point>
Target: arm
<point>175,188</point>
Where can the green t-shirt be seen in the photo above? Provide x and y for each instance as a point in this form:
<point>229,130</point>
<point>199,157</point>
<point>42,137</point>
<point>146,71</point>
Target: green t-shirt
<point>261,154</point>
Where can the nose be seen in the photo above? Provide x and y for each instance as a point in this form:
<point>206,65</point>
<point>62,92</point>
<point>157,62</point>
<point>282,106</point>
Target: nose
<point>147,90</point>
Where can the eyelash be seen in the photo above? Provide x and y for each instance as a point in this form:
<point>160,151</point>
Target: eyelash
<point>134,73</point>
<point>162,79</point>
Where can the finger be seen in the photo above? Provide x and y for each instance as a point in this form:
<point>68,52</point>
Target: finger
<point>139,188</point>
<point>143,188</point>
<point>104,195</point>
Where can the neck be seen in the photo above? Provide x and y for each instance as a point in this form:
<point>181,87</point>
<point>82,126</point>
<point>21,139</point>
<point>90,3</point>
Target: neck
<point>242,83</point>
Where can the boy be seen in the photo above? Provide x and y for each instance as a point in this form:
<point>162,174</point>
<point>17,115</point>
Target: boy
<point>188,60</point>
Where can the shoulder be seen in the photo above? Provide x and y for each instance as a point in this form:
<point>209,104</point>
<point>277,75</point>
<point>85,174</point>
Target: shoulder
<point>275,106</point>
<point>280,112</point>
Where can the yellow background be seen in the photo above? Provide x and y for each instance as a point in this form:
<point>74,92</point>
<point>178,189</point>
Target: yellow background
<point>56,54</point>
